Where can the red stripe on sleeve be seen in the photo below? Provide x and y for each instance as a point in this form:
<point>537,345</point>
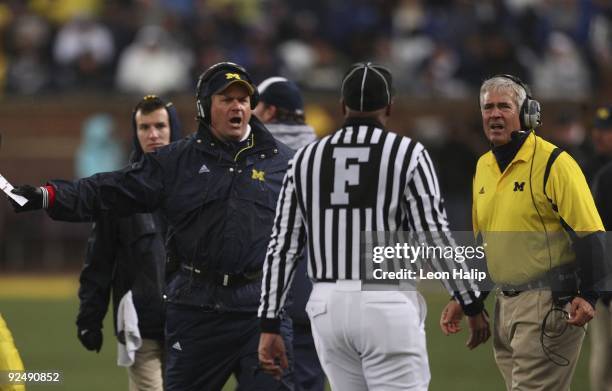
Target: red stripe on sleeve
<point>51,191</point>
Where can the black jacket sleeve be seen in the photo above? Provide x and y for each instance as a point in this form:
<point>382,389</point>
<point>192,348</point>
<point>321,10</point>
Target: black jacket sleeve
<point>97,274</point>
<point>593,270</point>
<point>138,188</point>
<point>602,193</point>
<point>484,287</point>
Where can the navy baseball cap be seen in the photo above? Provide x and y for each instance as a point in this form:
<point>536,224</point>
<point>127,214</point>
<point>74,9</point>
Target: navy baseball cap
<point>281,92</point>
<point>603,118</point>
<point>367,87</point>
<point>224,78</point>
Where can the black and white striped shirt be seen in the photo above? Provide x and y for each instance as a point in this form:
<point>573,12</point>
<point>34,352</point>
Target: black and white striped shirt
<point>360,178</point>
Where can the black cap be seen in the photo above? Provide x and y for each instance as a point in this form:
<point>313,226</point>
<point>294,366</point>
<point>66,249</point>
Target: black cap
<point>367,87</point>
<point>281,92</point>
<point>603,118</point>
<point>222,79</point>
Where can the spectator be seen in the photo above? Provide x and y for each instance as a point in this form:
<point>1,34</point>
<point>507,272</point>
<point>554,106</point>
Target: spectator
<point>29,70</point>
<point>154,62</point>
<point>84,50</point>
<point>562,72</point>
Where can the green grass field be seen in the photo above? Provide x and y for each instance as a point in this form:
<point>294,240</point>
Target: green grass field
<point>41,314</point>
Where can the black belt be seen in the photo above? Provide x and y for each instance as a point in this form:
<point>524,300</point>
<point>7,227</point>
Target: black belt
<point>224,279</point>
<point>515,290</point>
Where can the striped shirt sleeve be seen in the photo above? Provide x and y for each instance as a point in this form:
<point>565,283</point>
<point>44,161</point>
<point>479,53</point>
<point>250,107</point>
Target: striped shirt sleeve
<point>286,244</point>
<point>429,222</point>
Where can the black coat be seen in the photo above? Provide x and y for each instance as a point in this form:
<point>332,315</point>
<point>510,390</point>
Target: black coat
<point>602,193</point>
<point>124,254</point>
<point>219,201</point>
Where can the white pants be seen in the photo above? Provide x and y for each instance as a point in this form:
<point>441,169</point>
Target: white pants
<point>370,340</point>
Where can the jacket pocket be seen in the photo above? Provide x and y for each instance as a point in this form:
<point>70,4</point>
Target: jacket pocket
<point>316,308</point>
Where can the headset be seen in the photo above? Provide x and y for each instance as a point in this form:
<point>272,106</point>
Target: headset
<point>203,102</point>
<point>530,112</point>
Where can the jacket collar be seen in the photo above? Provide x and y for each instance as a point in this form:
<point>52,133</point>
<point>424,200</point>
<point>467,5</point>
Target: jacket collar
<point>353,121</point>
<point>259,140</point>
<point>524,153</point>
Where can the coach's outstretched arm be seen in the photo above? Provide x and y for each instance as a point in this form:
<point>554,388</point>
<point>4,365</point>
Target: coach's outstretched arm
<point>135,189</point>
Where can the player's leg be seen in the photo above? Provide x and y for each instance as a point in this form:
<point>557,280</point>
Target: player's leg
<point>9,356</point>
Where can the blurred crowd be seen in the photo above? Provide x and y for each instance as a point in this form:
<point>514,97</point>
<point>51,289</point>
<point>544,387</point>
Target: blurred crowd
<point>435,48</point>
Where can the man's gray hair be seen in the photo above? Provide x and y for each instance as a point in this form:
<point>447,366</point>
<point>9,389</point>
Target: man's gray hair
<point>503,84</point>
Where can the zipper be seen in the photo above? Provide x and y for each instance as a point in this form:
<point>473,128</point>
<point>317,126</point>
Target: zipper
<point>250,145</point>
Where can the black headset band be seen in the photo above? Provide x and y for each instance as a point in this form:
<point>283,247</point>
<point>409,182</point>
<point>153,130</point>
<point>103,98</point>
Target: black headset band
<point>515,80</point>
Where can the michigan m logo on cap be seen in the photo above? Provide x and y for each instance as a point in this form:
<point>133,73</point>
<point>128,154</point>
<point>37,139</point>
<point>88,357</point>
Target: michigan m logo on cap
<point>232,76</point>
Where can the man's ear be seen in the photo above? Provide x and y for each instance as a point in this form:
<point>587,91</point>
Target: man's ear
<point>270,113</point>
<point>388,109</point>
<point>343,106</point>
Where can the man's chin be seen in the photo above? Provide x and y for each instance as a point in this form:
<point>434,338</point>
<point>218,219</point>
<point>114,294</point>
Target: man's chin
<point>236,134</point>
<point>497,141</point>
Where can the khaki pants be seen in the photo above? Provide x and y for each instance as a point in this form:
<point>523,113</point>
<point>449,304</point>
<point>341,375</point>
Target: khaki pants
<point>601,349</point>
<point>146,374</point>
<point>516,342</point>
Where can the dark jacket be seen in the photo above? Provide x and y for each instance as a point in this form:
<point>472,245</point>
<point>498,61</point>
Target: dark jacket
<point>125,254</point>
<point>218,199</point>
<point>602,193</point>
<point>296,137</point>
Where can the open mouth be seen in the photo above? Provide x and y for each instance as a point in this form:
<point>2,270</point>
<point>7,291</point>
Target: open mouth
<point>497,126</point>
<point>236,120</point>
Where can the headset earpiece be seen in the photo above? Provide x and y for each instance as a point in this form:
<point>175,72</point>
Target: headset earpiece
<point>203,102</point>
<point>531,116</point>
<point>530,113</point>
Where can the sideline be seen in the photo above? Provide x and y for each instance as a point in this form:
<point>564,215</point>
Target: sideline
<point>32,286</point>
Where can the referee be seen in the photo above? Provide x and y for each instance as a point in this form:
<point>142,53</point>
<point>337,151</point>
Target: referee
<point>360,178</point>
